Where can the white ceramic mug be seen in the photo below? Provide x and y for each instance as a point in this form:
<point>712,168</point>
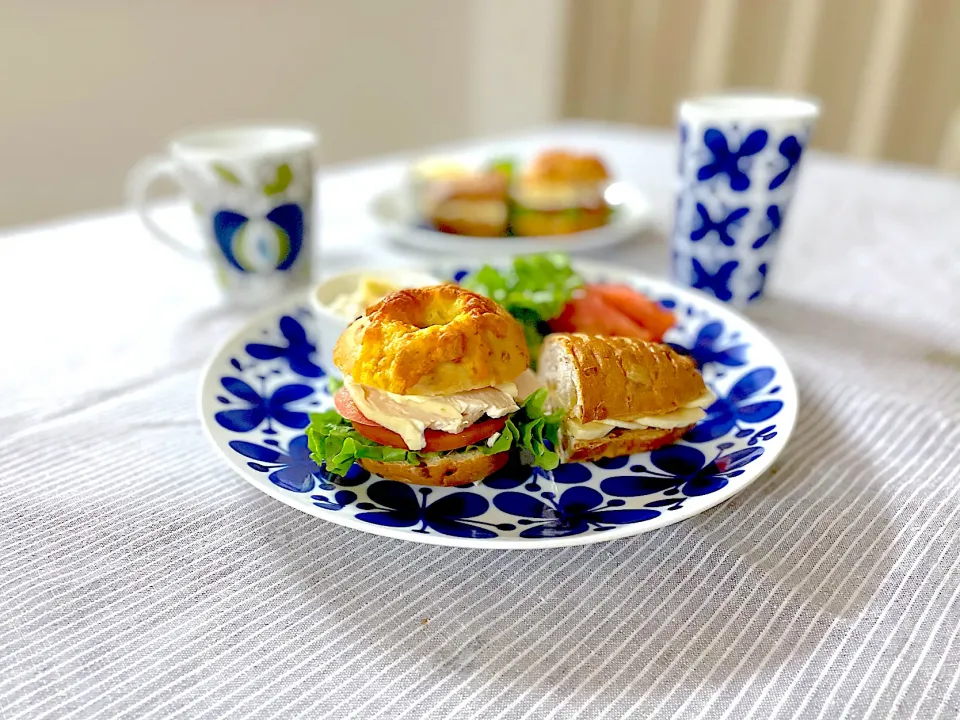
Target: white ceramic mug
<point>252,192</point>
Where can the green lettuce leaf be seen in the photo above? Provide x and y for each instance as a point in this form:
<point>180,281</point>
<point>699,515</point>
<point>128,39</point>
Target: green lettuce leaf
<point>540,284</point>
<point>336,445</point>
<point>539,432</point>
<point>534,289</point>
<point>506,166</point>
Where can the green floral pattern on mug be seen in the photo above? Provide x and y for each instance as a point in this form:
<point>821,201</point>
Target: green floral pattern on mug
<point>226,174</point>
<point>281,183</point>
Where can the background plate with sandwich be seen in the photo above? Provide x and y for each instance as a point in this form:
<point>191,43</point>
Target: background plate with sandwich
<point>557,199</point>
<point>619,435</point>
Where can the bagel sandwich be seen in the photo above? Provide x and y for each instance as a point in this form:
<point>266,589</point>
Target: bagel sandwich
<point>560,193</point>
<point>436,391</point>
<point>619,395</point>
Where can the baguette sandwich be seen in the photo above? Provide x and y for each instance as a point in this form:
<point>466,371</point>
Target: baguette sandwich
<point>620,395</point>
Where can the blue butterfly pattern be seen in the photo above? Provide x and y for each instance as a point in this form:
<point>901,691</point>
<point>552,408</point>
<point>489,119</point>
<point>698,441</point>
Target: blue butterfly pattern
<point>717,282</point>
<point>774,220</point>
<point>791,149</point>
<point>727,160</point>
<point>761,280</point>
<point>721,227</point>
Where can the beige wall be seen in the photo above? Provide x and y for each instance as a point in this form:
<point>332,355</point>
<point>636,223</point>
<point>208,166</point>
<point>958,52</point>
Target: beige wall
<point>90,86</point>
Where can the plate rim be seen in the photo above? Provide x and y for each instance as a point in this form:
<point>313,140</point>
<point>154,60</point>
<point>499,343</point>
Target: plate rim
<point>762,464</point>
<point>605,236</point>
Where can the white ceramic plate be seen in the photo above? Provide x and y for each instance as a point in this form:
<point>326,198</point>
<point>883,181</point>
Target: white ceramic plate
<point>259,387</point>
<point>633,213</point>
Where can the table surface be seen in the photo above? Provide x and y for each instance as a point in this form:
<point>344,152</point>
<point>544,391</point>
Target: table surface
<point>140,577</point>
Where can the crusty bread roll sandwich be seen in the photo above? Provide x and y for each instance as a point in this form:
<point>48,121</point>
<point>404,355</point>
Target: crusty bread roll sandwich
<point>436,391</point>
<point>621,395</point>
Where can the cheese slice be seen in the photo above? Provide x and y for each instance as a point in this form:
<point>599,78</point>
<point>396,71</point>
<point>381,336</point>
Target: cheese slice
<point>526,384</point>
<point>691,414</point>
<point>558,196</point>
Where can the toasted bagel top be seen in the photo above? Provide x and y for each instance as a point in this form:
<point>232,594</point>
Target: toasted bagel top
<point>435,340</point>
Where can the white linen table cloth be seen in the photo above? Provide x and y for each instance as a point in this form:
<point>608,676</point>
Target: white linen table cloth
<point>141,578</point>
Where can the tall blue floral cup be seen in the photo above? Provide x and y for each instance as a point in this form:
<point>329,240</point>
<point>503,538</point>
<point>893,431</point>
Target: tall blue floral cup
<point>251,189</point>
<point>739,160</point>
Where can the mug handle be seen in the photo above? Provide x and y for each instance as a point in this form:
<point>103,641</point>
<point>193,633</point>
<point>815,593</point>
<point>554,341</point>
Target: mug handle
<point>143,175</point>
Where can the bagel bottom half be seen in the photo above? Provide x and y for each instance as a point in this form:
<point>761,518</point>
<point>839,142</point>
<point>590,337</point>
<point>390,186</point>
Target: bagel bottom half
<point>446,471</point>
<point>533,223</point>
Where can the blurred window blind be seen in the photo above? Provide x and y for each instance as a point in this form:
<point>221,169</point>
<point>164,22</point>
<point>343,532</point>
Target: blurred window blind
<point>887,71</point>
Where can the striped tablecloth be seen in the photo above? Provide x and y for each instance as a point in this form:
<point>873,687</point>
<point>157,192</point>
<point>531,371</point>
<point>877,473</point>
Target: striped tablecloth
<point>140,578</point>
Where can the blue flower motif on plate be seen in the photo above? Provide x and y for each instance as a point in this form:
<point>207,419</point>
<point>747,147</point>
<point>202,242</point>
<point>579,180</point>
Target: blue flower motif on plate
<point>577,510</point>
<point>298,351</point>
<point>721,227</point>
<point>726,160</point>
<point>709,347</point>
<point>571,474</point>
<point>763,435</point>
<point>739,405</point>
<point>791,149</point>
<point>612,463</point>
<point>339,500</point>
<point>293,469</point>
<point>513,476</point>
<point>258,397</point>
<point>395,504</point>
<point>681,471</point>
<point>256,408</point>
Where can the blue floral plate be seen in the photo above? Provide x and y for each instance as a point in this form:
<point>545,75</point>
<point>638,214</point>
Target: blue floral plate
<point>258,389</point>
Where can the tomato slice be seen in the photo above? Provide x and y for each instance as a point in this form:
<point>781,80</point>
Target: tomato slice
<point>638,307</point>
<point>615,322</point>
<point>591,314</point>
<point>437,440</point>
<point>346,407</point>
<point>582,314</point>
